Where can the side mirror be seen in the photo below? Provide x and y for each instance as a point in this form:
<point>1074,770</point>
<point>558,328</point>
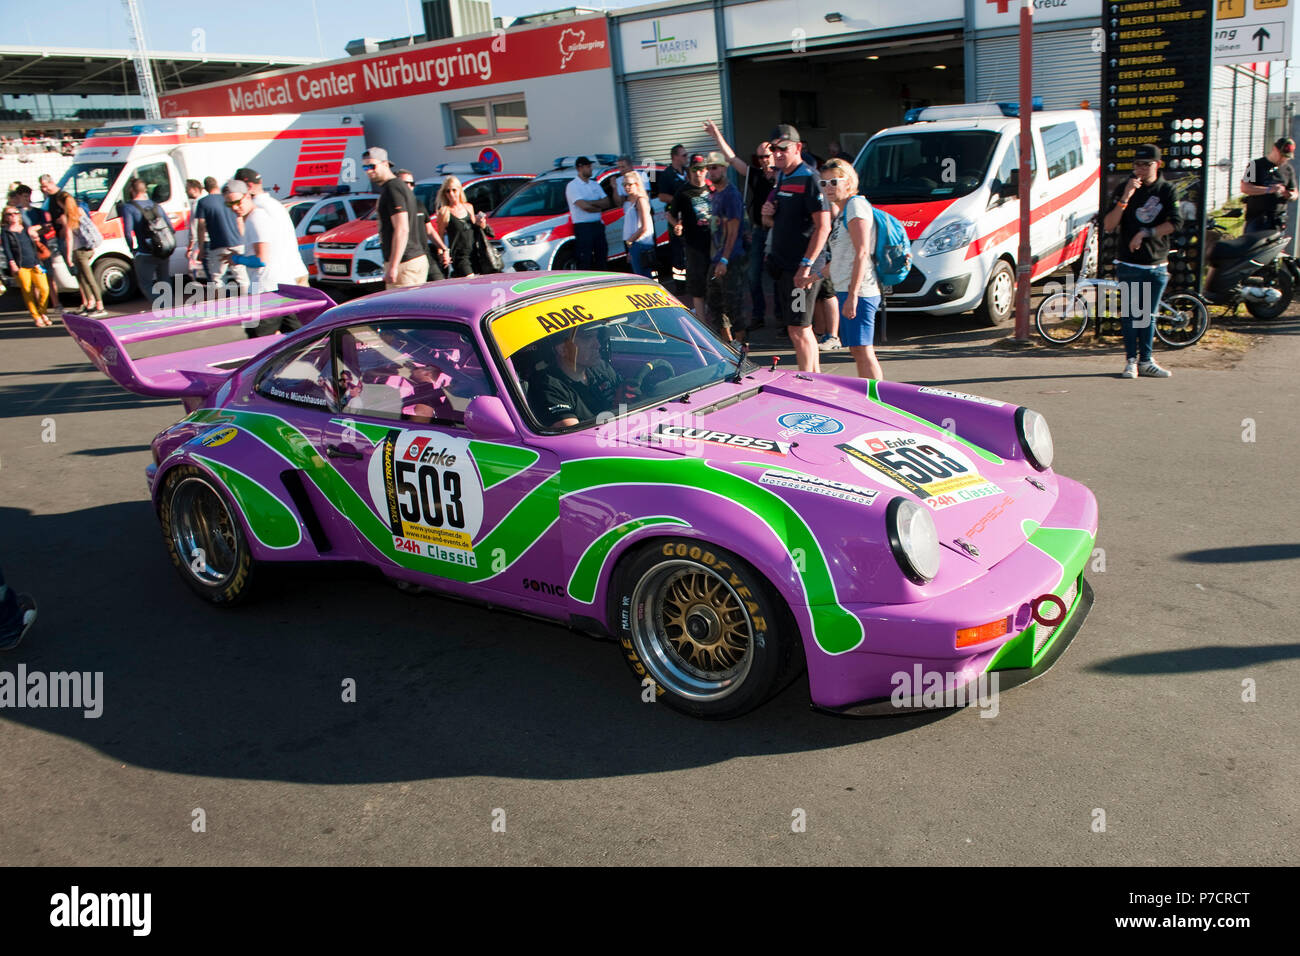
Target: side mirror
<point>1011,188</point>
<point>486,417</point>
<point>315,229</point>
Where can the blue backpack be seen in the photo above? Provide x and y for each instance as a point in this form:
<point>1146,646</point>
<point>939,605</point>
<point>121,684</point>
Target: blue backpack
<point>893,253</point>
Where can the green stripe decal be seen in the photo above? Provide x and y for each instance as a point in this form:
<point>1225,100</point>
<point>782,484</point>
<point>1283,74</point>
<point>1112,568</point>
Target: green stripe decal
<point>273,524</point>
<point>873,392</point>
<point>528,285</point>
<point>1068,547</point>
<point>835,629</point>
<point>586,575</point>
<point>496,463</point>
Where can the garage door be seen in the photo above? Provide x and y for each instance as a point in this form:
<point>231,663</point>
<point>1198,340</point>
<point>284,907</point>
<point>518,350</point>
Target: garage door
<point>1066,70</point>
<point>671,109</point>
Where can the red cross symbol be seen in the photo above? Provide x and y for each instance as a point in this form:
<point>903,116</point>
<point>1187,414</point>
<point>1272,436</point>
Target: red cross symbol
<point>1002,4</point>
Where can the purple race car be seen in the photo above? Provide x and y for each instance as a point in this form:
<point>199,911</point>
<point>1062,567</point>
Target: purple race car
<point>579,447</point>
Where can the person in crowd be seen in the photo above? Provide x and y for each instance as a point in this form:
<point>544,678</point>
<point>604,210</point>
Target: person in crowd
<point>456,220</point>
<point>405,250</point>
<point>56,211</point>
<point>759,175</point>
<point>425,227</point>
<point>671,179</point>
<point>1145,211</point>
<point>81,237</point>
<point>289,268</point>
<point>258,257</point>
<point>625,166</point>
<point>688,217</point>
<point>852,242</point>
<point>587,201</point>
<point>1269,184</point>
<point>833,151</point>
<point>799,221</point>
<point>193,192</point>
<point>728,253</point>
<point>25,266</point>
<point>17,615</point>
<point>638,224</point>
<point>217,240</point>
<point>150,270</point>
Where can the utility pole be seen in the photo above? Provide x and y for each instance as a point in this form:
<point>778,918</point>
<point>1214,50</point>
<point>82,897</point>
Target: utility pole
<point>1025,256</point>
<point>140,56</point>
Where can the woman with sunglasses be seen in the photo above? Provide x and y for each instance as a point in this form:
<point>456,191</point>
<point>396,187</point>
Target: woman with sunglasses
<point>853,237</point>
<point>20,251</point>
<point>456,219</point>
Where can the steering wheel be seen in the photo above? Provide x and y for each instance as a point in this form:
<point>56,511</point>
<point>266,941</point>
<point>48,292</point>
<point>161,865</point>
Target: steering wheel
<point>648,380</point>
<point>694,378</point>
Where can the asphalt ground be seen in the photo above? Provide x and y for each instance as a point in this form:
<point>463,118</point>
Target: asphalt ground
<point>465,717</point>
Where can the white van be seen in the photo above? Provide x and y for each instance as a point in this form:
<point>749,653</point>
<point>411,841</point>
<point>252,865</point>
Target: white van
<point>951,176</point>
<point>291,151</point>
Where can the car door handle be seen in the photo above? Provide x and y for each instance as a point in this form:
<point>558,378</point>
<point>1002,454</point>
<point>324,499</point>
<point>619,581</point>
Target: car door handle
<point>334,451</point>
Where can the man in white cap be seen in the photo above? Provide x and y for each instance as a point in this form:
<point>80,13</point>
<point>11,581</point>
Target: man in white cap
<point>288,268</point>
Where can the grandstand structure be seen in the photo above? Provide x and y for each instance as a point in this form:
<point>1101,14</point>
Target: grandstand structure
<point>63,91</point>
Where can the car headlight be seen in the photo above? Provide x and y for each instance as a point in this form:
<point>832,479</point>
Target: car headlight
<point>529,239</point>
<point>1035,438</point>
<point>914,539</point>
<point>371,243</point>
<point>955,235</point>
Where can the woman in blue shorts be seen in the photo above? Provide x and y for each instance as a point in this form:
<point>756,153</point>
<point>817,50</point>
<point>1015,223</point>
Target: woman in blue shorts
<point>853,236</point>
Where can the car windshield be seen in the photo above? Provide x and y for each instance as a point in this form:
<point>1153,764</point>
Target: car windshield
<point>541,197</point>
<point>299,209</point>
<point>596,354</point>
<point>925,166</point>
<point>90,182</point>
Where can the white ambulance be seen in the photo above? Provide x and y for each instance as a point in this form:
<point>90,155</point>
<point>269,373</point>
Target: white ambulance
<point>291,151</point>
<point>951,176</point>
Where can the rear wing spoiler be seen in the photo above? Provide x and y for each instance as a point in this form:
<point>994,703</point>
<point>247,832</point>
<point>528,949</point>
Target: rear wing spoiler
<point>195,373</point>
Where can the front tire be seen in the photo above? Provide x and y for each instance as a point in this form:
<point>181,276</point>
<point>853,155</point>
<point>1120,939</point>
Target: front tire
<point>999,305</point>
<point>1187,323</point>
<point>1281,281</point>
<point>565,258</point>
<point>205,541</point>
<point>703,626</point>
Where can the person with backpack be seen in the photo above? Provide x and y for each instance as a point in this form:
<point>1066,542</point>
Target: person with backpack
<point>149,235</point>
<point>852,266</point>
<point>80,238</point>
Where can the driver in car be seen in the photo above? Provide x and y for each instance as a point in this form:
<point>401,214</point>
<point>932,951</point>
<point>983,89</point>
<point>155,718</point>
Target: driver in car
<point>578,383</point>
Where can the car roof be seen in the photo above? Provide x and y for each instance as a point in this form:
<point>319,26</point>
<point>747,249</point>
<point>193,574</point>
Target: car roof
<point>468,178</point>
<point>468,300</point>
<point>326,196</point>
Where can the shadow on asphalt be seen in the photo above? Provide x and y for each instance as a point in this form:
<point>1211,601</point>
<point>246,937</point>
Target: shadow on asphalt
<point>1191,659</point>
<point>70,397</point>
<point>443,689</point>
<point>115,450</point>
<point>1243,554</point>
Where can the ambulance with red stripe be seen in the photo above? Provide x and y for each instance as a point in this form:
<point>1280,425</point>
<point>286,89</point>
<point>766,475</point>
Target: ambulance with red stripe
<point>951,176</point>
<point>291,151</point>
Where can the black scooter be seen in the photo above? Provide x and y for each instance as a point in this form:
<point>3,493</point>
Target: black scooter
<point>1252,269</point>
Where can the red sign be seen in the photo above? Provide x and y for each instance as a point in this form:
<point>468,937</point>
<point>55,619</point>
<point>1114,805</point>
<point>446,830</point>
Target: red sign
<point>505,57</point>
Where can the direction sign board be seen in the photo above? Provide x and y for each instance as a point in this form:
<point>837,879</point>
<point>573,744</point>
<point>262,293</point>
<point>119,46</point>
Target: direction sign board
<point>1252,31</point>
<point>1156,89</point>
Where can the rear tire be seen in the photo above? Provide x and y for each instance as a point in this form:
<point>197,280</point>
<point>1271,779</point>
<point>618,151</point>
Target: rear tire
<point>998,307</point>
<point>702,625</point>
<point>1283,282</point>
<point>1193,319</point>
<point>205,540</point>
<point>1062,318</point>
<point>115,278</point>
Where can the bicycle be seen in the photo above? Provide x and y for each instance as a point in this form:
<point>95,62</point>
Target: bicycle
<point>1180,319</point>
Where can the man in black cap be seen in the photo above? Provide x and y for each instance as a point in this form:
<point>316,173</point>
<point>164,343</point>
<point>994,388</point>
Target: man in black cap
<point>1269,184</point>
<point>405,248</point>
<point>587,201</point>
<point>799,221</point>
<point>1145,210</point>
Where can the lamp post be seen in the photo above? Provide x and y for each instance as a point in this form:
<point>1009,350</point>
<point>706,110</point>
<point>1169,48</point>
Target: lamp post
<point>1024,258</point>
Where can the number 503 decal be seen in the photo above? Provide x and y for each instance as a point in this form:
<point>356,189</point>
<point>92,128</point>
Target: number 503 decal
<point>427,490</point>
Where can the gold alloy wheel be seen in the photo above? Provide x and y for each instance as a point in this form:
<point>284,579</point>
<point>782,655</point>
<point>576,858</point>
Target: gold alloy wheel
<point>694,633</point>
